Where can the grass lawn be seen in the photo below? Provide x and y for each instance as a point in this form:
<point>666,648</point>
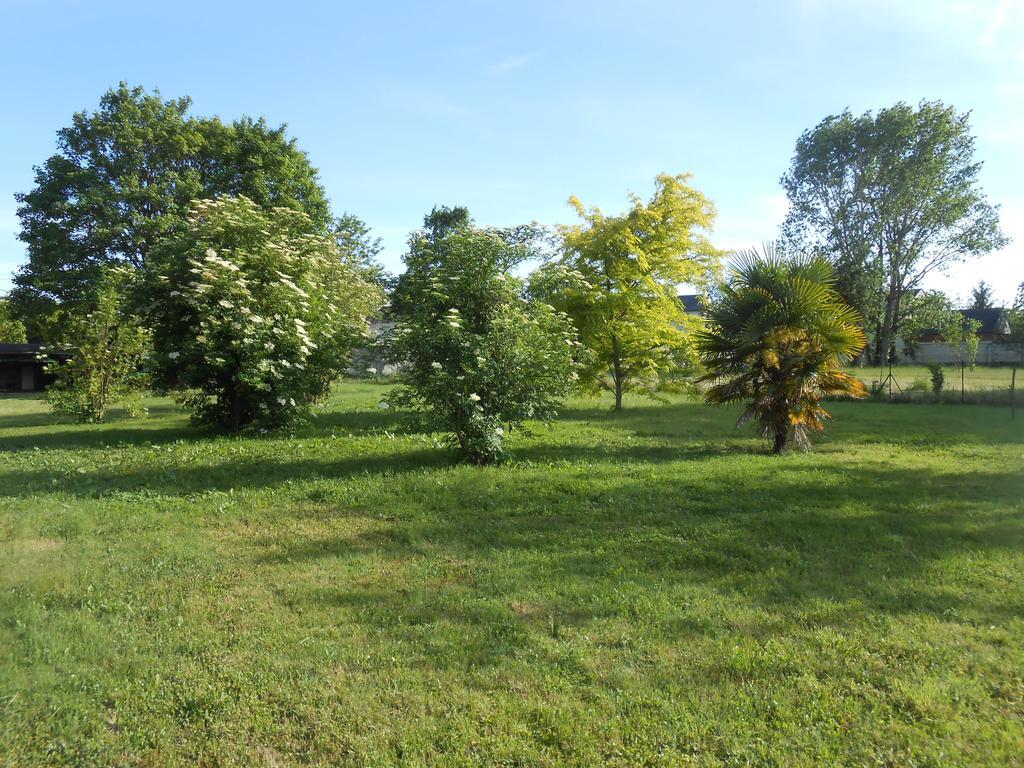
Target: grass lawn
<point>649,588</point>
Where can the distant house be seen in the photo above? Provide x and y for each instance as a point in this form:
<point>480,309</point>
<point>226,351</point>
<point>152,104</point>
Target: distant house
<point>993,325</point>
<point>21,370</point>
<point>693,303</point>
<point>993,333</point>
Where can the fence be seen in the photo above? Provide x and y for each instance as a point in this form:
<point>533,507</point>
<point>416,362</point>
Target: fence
<point>980,385</point>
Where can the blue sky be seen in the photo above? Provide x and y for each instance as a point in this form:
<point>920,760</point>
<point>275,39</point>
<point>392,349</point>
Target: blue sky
<point>511,107</point>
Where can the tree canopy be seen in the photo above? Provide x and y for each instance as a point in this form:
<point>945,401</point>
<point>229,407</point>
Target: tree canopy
<point>12,330</point>
<point>123,178</point>
<point>618,278</point>
<point>890,198</point>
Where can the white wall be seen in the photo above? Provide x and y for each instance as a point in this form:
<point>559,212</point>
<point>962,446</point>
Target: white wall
<point>989,353</point>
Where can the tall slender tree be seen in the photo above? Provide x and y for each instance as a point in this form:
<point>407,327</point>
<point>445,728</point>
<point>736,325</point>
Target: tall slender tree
<point>981,296</point>
<point>890,197</point>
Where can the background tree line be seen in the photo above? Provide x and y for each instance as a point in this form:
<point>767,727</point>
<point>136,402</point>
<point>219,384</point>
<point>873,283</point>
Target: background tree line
<point>208,250</point>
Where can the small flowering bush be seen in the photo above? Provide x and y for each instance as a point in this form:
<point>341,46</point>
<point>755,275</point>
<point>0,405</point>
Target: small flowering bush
<point>102,349</point>
<point>477,357</point>
<point>253,313</point>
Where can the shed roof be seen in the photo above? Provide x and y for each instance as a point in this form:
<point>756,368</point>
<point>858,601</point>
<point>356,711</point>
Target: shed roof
<point>692,302</point>
<point>28,351</point>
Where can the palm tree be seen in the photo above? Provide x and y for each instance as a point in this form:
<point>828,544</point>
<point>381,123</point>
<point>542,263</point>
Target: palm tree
<point>775,340</point>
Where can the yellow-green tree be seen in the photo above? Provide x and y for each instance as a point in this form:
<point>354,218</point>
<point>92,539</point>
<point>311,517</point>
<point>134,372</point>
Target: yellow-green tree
<point>618,278</point>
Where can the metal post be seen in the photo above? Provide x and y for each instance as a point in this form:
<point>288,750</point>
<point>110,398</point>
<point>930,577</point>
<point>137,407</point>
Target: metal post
<point>962,366</point>
<point>1013,393</point>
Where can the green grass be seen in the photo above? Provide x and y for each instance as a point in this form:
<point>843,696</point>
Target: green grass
<point>649,588</point>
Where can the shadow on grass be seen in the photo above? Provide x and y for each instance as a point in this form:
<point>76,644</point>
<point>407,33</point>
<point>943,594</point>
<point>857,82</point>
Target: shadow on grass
<point>362,422</point>
<point>830,545</point>
<point>475,566</point>
<point>827,539</point>
<point>122,429</point>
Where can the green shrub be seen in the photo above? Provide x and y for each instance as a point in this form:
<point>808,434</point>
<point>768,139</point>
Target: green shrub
<point>476,355</point>
<point>254,313</point>
<point>104,345</point>
<point>938,377</point>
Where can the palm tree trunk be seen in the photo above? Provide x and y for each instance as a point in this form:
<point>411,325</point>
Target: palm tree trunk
<point>781,438</point>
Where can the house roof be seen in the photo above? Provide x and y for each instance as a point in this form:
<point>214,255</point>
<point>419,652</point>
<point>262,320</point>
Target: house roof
<point>27,351</point>
<point>991,319</point>
<point>21,349</point>
<point>691,302</point>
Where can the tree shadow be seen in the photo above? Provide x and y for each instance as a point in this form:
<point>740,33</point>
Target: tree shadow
<point>121,428</point>
<point>824,546</point>
<point>827,542</point>
<point>363,422</point>
<point>267,472</point>
<point>125,430</point>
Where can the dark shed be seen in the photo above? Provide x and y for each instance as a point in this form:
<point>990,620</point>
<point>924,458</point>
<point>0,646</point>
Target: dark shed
<point>21,369</point>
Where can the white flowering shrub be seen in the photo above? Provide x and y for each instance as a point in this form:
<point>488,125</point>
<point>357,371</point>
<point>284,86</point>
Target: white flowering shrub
<point>478,358</point>
<point>253,313</point>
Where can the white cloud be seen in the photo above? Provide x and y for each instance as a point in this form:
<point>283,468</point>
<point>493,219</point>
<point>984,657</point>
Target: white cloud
<point>989,38</point>
<point>740,229</point>
<point>512,63</point>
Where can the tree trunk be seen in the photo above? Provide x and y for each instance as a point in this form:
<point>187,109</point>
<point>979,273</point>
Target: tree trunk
<point>892,310</point>
<point>617,372</point>
<point>236,410</point>
<point>887,325</point>
<point>781,438</point>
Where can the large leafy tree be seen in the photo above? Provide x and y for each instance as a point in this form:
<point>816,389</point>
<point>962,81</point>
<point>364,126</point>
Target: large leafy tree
<point>890,198</point>
<point>12,330</point>
<point>477,356</point>
<point>776,340</point>
<point>254,313</point>
<point>122,180</point>
<point>618,278</point>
